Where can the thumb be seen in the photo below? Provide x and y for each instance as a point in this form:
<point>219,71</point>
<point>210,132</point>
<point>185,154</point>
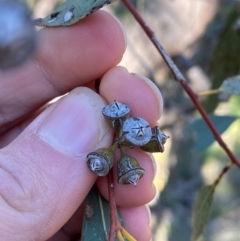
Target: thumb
<point>44,171</point>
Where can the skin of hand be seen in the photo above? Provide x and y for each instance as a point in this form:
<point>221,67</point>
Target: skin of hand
<point>43,171</point>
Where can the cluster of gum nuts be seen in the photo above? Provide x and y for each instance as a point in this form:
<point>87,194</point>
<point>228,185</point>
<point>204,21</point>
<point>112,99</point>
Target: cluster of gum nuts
<point>130,132</point>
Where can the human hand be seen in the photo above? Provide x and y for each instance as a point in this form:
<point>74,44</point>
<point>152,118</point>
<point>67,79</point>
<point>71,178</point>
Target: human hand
<point>44,174</point>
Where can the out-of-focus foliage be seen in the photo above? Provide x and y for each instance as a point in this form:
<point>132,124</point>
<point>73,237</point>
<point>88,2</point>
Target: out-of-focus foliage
<point>201,210</point>
<point>204,137</point>
<point>217,52</point>
<point>225,61</point>
<point>231,85</point>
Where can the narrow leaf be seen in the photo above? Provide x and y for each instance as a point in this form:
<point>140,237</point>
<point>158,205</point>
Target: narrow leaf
<point>96,220</point>
<point>201,210</point>
<point>94,223</point>
<point>204,137</point>
<point>231,85</point>
<point>71,11</point>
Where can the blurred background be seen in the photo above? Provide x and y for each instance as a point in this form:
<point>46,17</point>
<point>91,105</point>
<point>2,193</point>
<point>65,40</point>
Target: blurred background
<point>203,38</point>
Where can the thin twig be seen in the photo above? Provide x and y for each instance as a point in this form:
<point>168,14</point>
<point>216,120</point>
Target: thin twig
<point>114,226</point>
<point>181,79</point>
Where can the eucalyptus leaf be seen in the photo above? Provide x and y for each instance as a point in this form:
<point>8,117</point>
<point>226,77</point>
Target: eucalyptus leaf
<point>225,60</point>
<point>96,220</point>
<point>204,137</point>
<point>71,11</point>
<point>231,85</point>
<point>201,211</point>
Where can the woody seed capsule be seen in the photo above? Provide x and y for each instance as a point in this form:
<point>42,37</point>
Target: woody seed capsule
<point>101,161</point>
<point>129,170</point>
<point>135,132</point>
<point>156,144</point>
<point>115,114</point>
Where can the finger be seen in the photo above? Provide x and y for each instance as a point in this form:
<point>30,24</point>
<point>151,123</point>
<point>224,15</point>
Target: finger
<point>44,171</point>
<point>72,229</point>
<point>143,97</point>
<point>8,136</point>
<point>145,101</point>
<point>137,221</point>
<point>66,57</point>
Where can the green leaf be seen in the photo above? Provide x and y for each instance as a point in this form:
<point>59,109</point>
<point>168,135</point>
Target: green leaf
<point>204,137</point>
<point>96,220</point>
<point>231,85</point>
<point>71,11</point>
<point>225,61</point>
<point>201,210</point>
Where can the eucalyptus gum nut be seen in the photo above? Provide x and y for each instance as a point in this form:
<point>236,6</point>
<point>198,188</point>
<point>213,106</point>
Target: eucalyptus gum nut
<point>101,161</point>
<point>135,132</point>
<point>115,114</point>
<point>129,170</point>
<point>152,146</point>
<point>156,144</point>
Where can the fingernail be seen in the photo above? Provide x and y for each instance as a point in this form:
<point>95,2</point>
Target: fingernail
<point>75,125</point>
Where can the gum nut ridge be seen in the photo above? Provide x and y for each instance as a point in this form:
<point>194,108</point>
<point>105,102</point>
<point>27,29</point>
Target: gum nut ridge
<point>130,132</point>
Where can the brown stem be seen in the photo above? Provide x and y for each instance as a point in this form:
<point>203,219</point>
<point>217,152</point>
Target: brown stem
<point>180,78</point>
<point>114,226</point>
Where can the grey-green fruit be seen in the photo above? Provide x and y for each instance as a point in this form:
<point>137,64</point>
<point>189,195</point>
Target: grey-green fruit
<point>101,161</point>
<point>156,144</point>
<point>129,170</point>
<point>115,114</point>
<point>135,132</point>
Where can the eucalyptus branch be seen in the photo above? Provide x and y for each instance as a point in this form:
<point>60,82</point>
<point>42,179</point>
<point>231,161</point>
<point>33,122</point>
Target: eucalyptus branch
<point>114,227</point>
<point>181,79</point>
